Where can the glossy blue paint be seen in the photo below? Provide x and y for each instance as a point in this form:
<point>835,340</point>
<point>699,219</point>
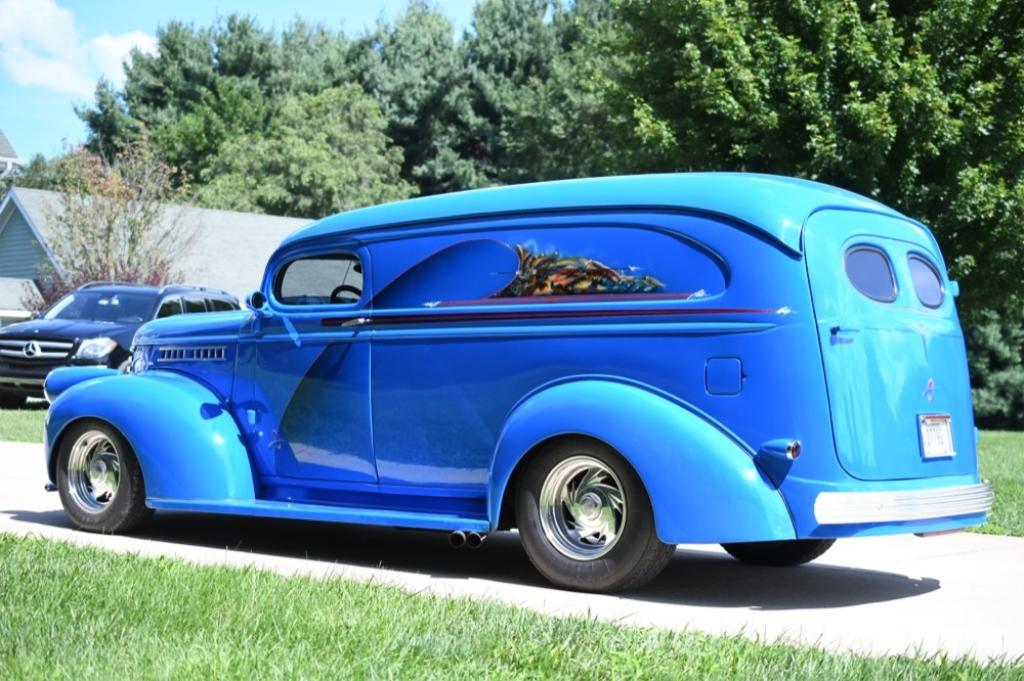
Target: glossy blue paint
<point>695,323</point>
<point>699,478</point>
<point>773,205</point>
<point>59,380</point>
<point>723,376</point>
<point>886,363</point>
<point>186,441</point>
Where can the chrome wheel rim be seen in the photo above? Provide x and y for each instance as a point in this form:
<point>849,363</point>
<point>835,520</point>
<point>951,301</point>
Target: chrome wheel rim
<point>582,508</point>
<point>94,470</point>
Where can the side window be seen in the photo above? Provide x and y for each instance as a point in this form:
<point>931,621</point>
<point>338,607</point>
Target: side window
<point>334,279</point>
<point>169,307</point>
<point>219,305</point>
<point>869,270</point>
<point>927,281</point>
<point>559,264</point>
<point>194,305</point>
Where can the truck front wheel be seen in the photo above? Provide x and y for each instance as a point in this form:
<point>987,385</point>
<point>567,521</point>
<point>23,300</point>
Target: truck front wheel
<point>99,479</point>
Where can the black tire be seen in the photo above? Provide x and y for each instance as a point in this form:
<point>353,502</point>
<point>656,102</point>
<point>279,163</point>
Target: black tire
<point>779,553</point>
<point>126,508</point>
<point>12,401</point>
<point>635,558</point>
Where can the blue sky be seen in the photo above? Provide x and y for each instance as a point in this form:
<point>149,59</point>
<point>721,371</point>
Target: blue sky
<point>53,51</point>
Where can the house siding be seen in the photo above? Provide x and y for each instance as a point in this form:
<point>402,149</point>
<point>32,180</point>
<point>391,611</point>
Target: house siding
<point>21,254</point>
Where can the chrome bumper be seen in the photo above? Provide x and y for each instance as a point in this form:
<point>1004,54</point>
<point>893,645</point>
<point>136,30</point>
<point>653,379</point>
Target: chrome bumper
<point>854,508</point>
<point>19,381</point>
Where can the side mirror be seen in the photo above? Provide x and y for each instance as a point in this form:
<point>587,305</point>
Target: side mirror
<point>954,288</point>
<point>257,302</point>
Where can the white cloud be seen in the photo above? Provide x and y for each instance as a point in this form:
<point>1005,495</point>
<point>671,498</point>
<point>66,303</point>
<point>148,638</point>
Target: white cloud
<point>39,45</point>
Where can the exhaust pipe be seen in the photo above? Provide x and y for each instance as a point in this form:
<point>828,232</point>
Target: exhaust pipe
<point>475,539</point>
<point>457,539</point>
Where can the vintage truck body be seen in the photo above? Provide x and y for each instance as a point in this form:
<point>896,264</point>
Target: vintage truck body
<point>774,359</point>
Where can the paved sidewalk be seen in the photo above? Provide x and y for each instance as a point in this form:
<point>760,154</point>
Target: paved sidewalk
<point>961,594</point>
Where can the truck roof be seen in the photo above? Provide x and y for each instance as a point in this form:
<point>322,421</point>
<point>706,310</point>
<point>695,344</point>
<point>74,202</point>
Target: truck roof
<point>774,205</point>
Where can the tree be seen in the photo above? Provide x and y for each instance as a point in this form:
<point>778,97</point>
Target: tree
<point>560,126</point>
<point>414,68</point>
<point>40,173</point>
<point>511,44</point>
<point>918,106</point>
<point>322,154</point>
<point>996,344</point>
<point>113,223</point>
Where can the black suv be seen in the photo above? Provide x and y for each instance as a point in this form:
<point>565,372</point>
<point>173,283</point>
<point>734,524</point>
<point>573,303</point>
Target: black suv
<point>93,325</point>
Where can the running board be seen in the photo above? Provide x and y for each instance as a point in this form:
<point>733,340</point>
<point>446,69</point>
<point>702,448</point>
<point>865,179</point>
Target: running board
<point>330,514</point>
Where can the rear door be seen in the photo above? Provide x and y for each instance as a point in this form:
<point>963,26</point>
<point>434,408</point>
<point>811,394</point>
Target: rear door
<point>892,348</point>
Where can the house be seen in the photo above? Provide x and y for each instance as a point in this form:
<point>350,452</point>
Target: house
<point>228,249</point>
<point>8,158</point>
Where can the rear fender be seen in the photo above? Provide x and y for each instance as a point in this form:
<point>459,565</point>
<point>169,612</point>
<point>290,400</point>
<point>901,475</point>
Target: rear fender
<point>187,443</point>
<point>703,485</point>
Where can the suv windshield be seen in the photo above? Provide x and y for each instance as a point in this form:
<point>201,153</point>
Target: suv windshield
<point>103,306</point>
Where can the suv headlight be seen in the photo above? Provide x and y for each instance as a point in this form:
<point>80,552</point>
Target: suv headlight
<point>96,348</point>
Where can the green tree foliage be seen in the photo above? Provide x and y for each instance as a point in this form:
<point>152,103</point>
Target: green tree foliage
<point>996,344</point>
<point>415,69</point>
<point>40,173</point>
<point>464,111</point>
<point>557,124</point>
<point>509,48</point>
<point>322,154</point>
<point>918,106</point>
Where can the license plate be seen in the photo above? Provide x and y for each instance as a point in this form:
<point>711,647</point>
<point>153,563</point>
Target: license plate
<point>936,436</point>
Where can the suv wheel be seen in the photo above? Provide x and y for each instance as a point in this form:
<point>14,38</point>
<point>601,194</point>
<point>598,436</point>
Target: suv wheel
<point>585,519</point>
<point>99,479</point>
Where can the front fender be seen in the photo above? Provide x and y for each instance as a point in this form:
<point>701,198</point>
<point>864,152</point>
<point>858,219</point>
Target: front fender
<point>703,485</point>
<point>186,441</point>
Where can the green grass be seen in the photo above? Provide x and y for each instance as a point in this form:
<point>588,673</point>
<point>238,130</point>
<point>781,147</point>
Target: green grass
<point>72,612</point>
<point>23,425</point>
<point>1001,454</point>
<point>1002,462</point>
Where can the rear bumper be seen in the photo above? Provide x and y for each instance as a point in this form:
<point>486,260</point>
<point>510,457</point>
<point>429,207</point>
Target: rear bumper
<point>857,508</point>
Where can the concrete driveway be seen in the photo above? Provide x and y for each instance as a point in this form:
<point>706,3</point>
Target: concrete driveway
<point>959,594</point>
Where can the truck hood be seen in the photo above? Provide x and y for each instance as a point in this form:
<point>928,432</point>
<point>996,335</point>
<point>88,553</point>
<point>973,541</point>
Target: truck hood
<point>219,326</point>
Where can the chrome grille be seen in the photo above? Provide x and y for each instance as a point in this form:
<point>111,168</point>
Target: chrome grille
<point>34,349</point>
<point>174,354</point>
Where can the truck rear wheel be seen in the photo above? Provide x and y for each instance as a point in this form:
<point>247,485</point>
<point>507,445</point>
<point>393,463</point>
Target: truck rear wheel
<point>779,553</point>
<point>99,479</point>
<point>585,519</point>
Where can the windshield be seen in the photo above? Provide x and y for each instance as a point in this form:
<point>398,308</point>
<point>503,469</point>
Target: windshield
<point>103,306</point>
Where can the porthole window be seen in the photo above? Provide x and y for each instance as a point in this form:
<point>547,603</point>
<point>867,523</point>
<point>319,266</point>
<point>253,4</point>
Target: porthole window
<point>927,281</point>
<point>870,272</point>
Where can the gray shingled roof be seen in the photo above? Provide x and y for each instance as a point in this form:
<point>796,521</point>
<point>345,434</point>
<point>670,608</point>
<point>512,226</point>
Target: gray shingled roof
<point>6,150</point>
<point>229,250</point>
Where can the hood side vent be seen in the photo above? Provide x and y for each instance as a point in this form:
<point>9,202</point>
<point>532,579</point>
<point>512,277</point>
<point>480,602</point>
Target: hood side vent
<point>192,353</point>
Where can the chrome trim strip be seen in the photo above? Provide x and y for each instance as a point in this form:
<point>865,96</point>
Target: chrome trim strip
<point>45,344</point>
<point>18,354</point>
<point>11,380</point>
<point>853,508</point>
